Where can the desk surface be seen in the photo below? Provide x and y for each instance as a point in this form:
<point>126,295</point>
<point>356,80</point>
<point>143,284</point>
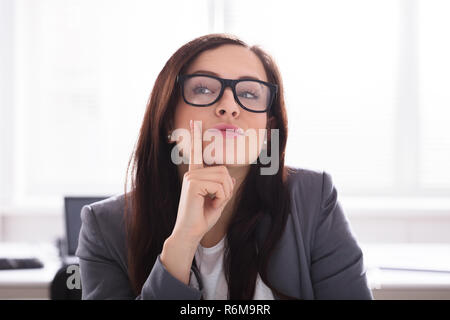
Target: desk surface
<point>28,283</point>
<point>404,266</point>
<point>408,271</point>
<point>394,283</point>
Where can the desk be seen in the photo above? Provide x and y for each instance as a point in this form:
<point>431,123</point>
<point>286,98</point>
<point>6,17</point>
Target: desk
<point>385,284</point>
<point>28,283</point>
<point>393,270</point>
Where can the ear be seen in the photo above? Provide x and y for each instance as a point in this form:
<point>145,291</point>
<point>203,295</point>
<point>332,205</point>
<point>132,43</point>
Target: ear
<point>168,129</point>
<point>168,135</point>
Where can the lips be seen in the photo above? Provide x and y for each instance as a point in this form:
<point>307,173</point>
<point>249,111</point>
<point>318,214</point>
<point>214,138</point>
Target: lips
<point>229,129</point>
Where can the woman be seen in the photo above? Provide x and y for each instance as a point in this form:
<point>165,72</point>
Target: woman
<point>213,228</point>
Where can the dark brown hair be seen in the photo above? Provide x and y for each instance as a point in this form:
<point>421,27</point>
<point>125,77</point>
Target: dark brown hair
<point>156,186</point>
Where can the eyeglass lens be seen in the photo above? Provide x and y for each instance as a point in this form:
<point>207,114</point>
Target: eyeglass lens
<point>204,90</point>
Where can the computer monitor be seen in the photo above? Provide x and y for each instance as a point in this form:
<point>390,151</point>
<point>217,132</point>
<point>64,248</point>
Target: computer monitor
<point>72,208</point>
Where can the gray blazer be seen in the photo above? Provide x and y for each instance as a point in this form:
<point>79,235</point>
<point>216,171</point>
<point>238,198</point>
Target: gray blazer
<point>317,257</point>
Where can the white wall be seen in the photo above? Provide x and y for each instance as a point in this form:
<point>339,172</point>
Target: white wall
<point>6,100</point>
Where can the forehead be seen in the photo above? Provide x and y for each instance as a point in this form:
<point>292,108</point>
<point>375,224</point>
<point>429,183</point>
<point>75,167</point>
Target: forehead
<point>229,61</point>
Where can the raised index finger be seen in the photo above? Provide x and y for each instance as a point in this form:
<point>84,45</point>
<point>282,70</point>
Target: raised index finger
<point>196,156</point>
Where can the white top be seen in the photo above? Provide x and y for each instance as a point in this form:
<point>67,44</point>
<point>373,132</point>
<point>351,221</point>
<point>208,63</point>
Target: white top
<point>210,264</point>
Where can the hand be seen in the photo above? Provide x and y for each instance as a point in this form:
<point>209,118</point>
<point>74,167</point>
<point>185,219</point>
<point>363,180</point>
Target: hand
<point>204,193</point>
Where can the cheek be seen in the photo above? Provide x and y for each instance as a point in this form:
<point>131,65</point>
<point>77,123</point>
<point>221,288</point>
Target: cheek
<point>259,125</point>
<point>182,116</point>
<point>259,121</point>
<point>255,141</point>
<point>185,112</point>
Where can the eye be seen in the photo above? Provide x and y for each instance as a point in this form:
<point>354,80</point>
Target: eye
<point>201,90</point>
<point>248,95</point>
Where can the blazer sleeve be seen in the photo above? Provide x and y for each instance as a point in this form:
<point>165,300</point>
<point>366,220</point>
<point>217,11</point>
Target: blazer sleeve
<point>337,268</point>
<point>103,278</point>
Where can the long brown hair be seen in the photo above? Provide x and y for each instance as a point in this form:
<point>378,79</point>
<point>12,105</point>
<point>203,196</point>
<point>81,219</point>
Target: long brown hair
<point>156,186</point>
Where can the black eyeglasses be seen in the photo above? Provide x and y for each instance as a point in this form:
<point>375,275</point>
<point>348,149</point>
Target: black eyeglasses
<point>202,90</point>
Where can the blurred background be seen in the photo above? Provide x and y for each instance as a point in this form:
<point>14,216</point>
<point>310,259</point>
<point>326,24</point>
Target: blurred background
<point>367,88</point>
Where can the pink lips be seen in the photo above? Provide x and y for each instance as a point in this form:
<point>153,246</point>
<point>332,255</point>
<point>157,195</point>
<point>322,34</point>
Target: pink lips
<point>229,130</point>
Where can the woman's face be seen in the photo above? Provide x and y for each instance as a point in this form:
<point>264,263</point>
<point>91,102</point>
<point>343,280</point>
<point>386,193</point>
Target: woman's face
<point>228,62</point>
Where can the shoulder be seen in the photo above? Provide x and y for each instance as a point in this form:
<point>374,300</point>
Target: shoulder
<point>108,214</point>
<point>103,223</point>
<point>109,211</point>
<point>308,184</point>
<point>311,191</point>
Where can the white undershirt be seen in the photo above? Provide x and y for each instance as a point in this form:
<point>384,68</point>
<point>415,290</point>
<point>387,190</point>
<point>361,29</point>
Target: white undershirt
<point>210,264</point>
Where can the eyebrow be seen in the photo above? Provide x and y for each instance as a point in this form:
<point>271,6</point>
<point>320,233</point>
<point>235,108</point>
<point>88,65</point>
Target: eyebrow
<point>215,74</point>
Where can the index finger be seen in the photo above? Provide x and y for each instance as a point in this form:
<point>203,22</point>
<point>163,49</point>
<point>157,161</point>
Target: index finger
<point>196,156</point>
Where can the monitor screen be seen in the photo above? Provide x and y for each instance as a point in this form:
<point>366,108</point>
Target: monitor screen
<point>72,207</point>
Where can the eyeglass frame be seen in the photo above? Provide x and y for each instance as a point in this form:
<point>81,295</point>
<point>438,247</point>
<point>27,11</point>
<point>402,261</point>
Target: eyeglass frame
<point>224,84</point>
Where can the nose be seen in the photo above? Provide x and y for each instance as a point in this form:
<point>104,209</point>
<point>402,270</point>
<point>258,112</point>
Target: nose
<point>227,104</point>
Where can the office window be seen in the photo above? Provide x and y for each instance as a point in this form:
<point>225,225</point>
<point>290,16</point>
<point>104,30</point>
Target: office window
<point>366,86</point>
<point>339,67</point>
<point>84,73</point>
<point>434,76</point>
